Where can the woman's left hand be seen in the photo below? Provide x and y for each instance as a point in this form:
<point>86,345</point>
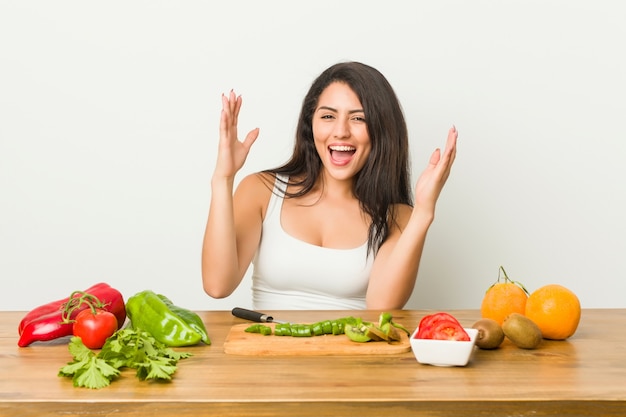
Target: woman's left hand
<point>434,177</point>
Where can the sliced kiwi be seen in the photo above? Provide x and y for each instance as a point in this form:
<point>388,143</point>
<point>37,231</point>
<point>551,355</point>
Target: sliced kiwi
<point>357,332</point>
<point>376,334</point>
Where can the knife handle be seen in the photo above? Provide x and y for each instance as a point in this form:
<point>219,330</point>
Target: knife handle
<point>256,316</point>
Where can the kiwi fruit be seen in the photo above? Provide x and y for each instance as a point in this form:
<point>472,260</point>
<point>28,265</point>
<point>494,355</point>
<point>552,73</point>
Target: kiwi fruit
<point>522,331</point>
<point>490,333</point>
<point>357,332</point>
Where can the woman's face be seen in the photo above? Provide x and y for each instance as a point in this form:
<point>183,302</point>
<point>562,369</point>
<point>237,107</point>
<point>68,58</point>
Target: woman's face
<point>340,131</point>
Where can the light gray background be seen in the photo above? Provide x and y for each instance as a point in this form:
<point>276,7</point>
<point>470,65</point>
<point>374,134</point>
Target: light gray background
<point>109,118</point>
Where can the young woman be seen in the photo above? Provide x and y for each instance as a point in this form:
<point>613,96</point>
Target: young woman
<point>335,227</point>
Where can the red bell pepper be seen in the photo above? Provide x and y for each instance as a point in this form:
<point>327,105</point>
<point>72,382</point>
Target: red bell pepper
<point>49,321</point>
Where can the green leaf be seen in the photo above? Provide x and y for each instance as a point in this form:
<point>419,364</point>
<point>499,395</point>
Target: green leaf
<point>78,350</point>
<point>132,348</point>
<point>73,367</point>
<point>156,368</point>
<point>97,374</point>
<point>172,354</point>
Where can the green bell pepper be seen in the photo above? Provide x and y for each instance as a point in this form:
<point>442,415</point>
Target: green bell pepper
<point>192,318</point>
<point>167,323</point>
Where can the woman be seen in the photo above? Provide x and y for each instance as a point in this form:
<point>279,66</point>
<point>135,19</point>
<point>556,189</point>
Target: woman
<point>335,227</point>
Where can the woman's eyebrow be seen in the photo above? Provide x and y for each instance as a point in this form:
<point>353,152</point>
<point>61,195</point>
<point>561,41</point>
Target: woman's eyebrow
<point>336,111</point>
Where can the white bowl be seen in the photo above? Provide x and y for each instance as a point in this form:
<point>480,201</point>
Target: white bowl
<point>443,352</point>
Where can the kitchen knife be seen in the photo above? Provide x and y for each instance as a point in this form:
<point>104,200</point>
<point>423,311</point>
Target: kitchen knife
<point>257,316</point>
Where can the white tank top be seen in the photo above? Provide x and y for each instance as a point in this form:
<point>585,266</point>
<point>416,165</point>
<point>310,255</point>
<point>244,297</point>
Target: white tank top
<point>290,274</point>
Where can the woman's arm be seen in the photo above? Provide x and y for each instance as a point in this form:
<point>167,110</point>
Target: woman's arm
<point>232,226</point>
<point>396,265</point>
<point>232,234</point>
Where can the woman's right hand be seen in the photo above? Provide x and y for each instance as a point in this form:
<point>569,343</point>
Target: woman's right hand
<point>232,153</point>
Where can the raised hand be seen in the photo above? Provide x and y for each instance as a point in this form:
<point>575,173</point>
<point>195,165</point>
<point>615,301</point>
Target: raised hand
<point>232,153</point>
<point>434,177</point>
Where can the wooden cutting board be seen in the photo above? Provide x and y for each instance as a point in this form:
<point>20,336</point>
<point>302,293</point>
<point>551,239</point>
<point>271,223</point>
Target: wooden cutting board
<point>238,342</point>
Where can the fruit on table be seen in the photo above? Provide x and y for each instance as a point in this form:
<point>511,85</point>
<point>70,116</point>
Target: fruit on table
<point>522,331</point>
<point>94,326</point>
<point>441,326</point>
<point>490,334</point>
<point>556,311</point>
<point>503,298</point>
<point>357,332</point>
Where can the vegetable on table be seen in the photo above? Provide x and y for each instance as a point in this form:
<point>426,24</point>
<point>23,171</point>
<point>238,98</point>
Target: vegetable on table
<point>331,327</point>
<point>259,328</point>
<point>441,326</point>
<point>126,348</point>
<point>192,318</point>
<point>94,326</point>
<point>56,319</point>
<point>354,328</point>
<point>169,324</point>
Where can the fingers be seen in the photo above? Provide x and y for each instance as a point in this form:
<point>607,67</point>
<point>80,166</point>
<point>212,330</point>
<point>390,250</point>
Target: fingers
<point>231,104</point>
<point>435,157</point>
<point>251,137</point>
<point>449,152</point>
<point>451,140</point>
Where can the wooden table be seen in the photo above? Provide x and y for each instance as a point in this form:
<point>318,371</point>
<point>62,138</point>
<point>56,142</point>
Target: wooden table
<point>583,376</point>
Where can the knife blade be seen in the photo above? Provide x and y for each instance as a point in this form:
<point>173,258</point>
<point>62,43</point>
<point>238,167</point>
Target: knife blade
<point>252,315</point>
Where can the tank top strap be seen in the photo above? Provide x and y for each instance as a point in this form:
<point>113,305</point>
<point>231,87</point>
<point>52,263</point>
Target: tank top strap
<point>276,199</point>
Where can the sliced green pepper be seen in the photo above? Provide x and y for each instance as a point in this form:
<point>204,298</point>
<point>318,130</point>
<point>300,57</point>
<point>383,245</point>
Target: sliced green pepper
<point>330,327</point>
<point>282,329</point>
<point>301,330</point>
<point>317,329</point>
<point>327,327</point>
<point>259,328</point>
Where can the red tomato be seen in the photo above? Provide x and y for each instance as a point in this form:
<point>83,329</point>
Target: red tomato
<point>449,330</point>
<point>94,329</point>
<point>427,323</point>
<point>441,326</point>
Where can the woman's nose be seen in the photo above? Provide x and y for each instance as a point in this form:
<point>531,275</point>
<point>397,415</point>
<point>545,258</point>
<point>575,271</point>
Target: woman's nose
<point>342,129</point>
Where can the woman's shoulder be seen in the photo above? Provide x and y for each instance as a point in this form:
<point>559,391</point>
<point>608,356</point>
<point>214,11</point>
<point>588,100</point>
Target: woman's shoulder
<point>255,190</point>
<point>257,179</point>
<point>258,183</point>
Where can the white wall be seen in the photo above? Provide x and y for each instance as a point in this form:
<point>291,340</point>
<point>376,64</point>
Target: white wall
<point>109,124</point>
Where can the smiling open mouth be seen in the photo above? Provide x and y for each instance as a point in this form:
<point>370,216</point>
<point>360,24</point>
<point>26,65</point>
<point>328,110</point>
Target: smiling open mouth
<point>342,153</point>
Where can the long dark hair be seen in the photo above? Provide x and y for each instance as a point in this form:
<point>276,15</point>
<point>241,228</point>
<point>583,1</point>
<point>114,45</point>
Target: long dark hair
<point>384,180</point>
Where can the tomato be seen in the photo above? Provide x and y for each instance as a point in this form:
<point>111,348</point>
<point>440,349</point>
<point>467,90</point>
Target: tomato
<point>94,329</point>
<point>427,323</point>
<point>449,330</point>
<point>441,326</point>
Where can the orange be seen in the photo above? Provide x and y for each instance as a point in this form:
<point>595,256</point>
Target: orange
<point>503,298</point>
<point>555,309</point>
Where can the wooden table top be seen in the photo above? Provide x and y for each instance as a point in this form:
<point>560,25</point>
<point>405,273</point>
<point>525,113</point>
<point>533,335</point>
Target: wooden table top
<point>584,375</point>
